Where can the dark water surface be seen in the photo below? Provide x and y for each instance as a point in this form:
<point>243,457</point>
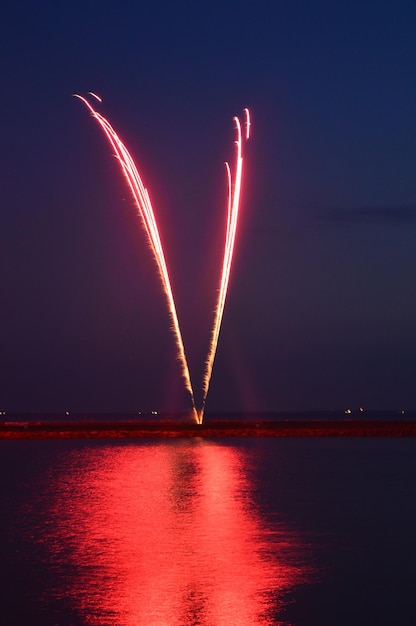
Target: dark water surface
<point>196,532</point>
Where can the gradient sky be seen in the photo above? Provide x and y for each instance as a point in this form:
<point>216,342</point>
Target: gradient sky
<point>322,303</point>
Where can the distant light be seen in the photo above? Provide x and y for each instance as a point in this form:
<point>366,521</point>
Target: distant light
<point>348,411</point>
<point>403,412</point>
<point>361,409</point>
<point>154,412</point>
<point>66,412</point>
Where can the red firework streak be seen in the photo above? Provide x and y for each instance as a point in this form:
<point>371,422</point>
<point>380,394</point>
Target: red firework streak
<point>234,193</point>
<point>145,211</point>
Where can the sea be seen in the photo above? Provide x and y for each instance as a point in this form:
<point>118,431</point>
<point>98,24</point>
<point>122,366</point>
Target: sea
<point>292,531</point>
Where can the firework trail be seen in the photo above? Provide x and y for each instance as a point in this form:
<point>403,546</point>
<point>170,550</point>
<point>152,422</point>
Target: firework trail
<point>234,193</point>
<point>145,211</point>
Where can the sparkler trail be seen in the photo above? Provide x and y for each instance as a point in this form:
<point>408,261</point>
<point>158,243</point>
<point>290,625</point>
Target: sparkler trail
<point>234,193</point>
<point>145,211</point>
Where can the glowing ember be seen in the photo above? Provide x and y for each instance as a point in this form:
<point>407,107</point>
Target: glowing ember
<point>146,213</point>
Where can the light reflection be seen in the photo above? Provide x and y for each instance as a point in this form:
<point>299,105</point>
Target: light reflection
<point>168,534</point>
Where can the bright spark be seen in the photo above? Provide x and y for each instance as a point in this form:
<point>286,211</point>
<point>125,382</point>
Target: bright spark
<point>145,211</point>
<point>248,123</point>
<point>94,95</point>
<point>234,193</point>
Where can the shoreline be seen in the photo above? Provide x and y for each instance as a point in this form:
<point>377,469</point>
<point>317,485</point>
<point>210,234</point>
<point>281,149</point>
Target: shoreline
<point>139,429</point>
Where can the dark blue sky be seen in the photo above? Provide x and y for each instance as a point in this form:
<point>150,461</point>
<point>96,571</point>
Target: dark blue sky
<point>322,302</point>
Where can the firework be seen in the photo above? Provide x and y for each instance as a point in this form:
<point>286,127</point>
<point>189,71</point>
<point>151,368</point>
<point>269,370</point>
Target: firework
<point>234,192</point>
<point>145,211</point>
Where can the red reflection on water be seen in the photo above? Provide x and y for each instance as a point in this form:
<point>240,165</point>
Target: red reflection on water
<point>169,534</point>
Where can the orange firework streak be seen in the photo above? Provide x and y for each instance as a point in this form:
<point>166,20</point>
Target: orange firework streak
<point>145,211</point>
<point>234,193</point>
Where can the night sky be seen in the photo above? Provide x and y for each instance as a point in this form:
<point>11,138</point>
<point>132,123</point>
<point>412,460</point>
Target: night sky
<point>321,311</point>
